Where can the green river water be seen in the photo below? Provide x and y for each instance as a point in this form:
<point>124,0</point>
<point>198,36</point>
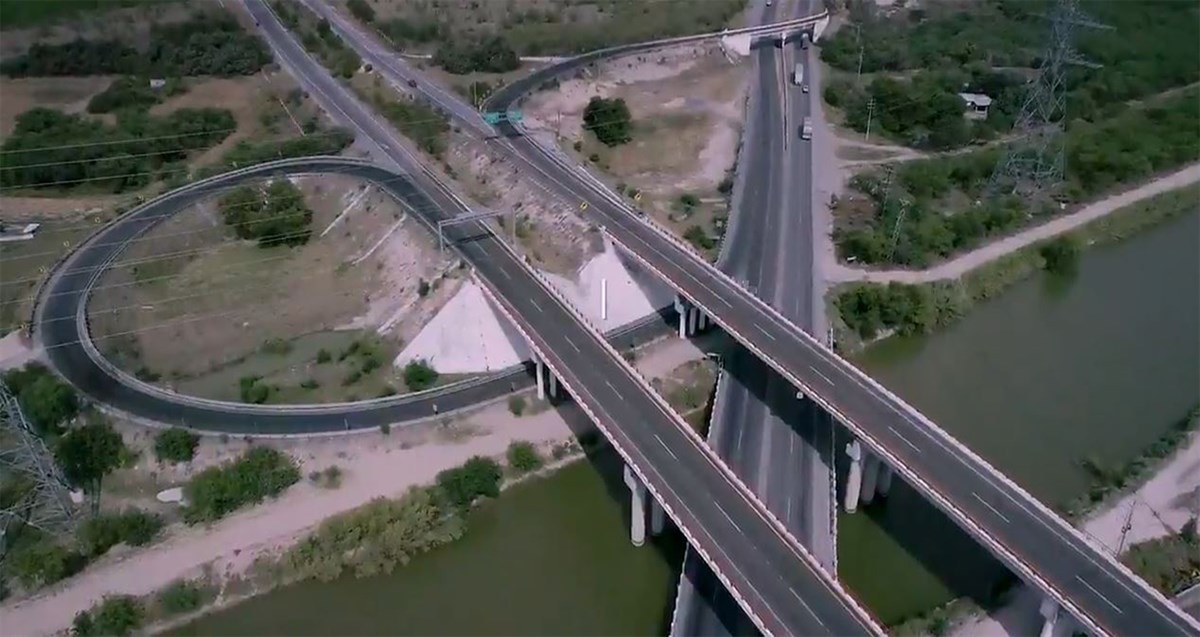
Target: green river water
<point>1035,380</point>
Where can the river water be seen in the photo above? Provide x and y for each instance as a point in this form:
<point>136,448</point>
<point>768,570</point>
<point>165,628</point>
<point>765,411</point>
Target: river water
<point>1045,375</point>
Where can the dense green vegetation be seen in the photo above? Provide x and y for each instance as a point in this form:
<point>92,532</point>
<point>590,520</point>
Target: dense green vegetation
<point>175,445</point>
<point>49,148</point>
<point>318,38</point>
<point>492,54</point>
<point>1151,47</point>
<point>361,9</point>
<point>419,375</point>
<point>88,453</point>
<point>1171,563</point>
<point>38,561</point>
<point>23,13</point>
<point>116,616</point>
<point>273,216</point>
<point>132,527</point>
<point>247,153</point>
<point>208,44</point>
<point>609,120</point>
<point>478,478</point>
<point>131,92</point>
<point>1110,480</point>
<point>258,474</point>
<point>183,596</point>
<point>523,457</point>
<point>1101,156</point>
<point>47,402</point>
<point>571,26</point>
<point>426,127</point>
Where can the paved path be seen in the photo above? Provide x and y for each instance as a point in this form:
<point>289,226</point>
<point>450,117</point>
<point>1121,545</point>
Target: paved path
<point>965,263</point>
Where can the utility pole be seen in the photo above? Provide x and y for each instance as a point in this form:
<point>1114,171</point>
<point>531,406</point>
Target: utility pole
<point>858,37</point>
<point>1036,162</point>
<point>870,115</point>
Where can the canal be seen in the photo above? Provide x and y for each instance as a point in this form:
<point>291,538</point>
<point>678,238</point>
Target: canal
<point>1047,374</point>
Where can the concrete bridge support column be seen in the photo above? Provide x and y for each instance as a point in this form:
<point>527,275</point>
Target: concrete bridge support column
<point>553,384</point>
<point>854,478</point>
<point>541,377</point>
<point>885,480</point>
<point>1049,611</point>
<point>870,477</point>
<point>637,510</point>
<point>683,308</point>
<point>658,518</point>
<point>693,320</point>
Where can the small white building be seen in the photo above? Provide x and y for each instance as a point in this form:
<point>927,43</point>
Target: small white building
<point>977,105</point>
<point>157,83</point>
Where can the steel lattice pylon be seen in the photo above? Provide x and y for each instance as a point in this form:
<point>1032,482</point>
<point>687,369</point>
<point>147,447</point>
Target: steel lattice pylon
<point>34,491</point>
<point>1036,161</point>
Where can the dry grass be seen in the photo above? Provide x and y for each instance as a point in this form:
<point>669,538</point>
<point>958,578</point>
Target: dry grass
<point>199,301</point>
<point>67,94</point>
<point>128,24</point>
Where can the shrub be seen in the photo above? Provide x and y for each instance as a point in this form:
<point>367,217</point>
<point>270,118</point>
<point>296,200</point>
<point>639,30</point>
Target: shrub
<point>323,356</point>
<point>330,478</point>
<point>422,288</point>
<point>276,346</point>
<point>252,391</point>
<point>478,477</point>
<point>259,473</point>
<point>274,216</point>
<point>492,54</point>
<point>175,445</point>
<point>361,10</point>
<point>609,120</point>
<point>124,92</point>
<point>523,457</point>
<point>419,375</point>
<point>43,562</point>
<point>699,238</point>
<point>1061,255</point>
<point>117,615</point>
<point>182,596</point>
<point>516,405</point>
<point>132,527</point>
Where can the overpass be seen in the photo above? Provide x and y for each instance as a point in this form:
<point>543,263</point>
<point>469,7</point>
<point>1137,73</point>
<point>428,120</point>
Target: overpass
<point>1031,539</point>
<point>1043,549</point>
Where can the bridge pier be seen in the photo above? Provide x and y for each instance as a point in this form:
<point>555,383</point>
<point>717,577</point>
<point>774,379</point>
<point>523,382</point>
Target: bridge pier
<point>540,371</point>
<point>854,478</point>
<point>637,509</point>
<point>870,477</point>
<point>553,384</point>
<point>658,518</point>
<point>885,480</point>
<point>682,307</point>
<point>1049,611</point>
<point>693,320</point>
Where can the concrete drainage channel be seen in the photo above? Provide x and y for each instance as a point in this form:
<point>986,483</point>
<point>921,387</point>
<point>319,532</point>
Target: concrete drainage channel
<point>60,320</point>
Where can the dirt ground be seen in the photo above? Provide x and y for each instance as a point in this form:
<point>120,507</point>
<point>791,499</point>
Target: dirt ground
<point>687,106</point>
<point>129,24</point>
<point>189,301</point>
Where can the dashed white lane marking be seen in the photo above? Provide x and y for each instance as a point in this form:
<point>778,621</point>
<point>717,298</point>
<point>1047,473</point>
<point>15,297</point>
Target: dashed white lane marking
<point>990,507</point>
<point>1093,589</point>
<point>535,304</point>
<point>763,332</point>
<point>903,439</point>
<point>823,376</point>
<point>806,606</point>
<point>610,386</point>
<point>571,342</point>
<point>735,524</point>
<point>664,446</point>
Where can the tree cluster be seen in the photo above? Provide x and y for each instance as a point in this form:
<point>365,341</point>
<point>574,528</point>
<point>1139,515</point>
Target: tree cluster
<point>419,375</point>
<point>273,216</point>
<point>869,309</point>
<point>125,92</point>
<point>208,44</point>
<point>419,30</point>
<point>247,153</point>
<point>1136,144</point>
<point>523,457</point>
<point>491,54</point>
<point>87,453</point>
<point>361,10</point>
<point>259,473</point>
<point>116,616</point>
<point>51,148</point>
<point>609,120</point>
<point>318,38</point>
<point>132,527</point>
<point>478,478</point>
<point>47,402</point>
<point>424,125</point>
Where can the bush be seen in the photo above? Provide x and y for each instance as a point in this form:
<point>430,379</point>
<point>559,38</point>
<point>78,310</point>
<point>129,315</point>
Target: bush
<point>43,562</point>
<point>492,54</point>
<point>699,238</point>
<point>117,615</point>
<point>609,120</point>
<point>419,375</point>
<point>124,92</point>
<point>361,10</point>
<point>88,453</point>
<point>246,153</point>
<point>259,473</point>
<point>47,402</point>
<point>516,405</point>
<point>250,390</point>
<point>478,477</point>
<point>1061,255</point>
<point>132,527</point>
<point>869,308</point>
<point>523,457</point>
<point>175,445</point>
<point>422,288</point>
<point>182,596</point>
<point>423,125</point>
<point>330,478</point>
<point>274,216</point>
<point>323,356</point>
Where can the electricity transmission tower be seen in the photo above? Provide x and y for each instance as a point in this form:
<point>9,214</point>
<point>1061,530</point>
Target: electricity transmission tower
<point>32,491</point>
<point>1036,161</point>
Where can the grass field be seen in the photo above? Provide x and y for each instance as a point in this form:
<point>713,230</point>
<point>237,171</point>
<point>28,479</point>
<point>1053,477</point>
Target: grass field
<point>23,264</point>
<point>16,14</point>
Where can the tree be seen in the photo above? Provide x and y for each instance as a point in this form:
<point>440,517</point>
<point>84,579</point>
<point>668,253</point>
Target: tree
<point>523,457</point>
<point>43,562</point>
<point>175,445</point>
<point>48,403</point>
<point>132,527</point>
<point>478,477</point>
<point>181,596</point>
<point>361,10</point>
<point>1061,255</point>
<point>609,120</point>
<point>88,453</point>
<point>516,405</point>
<point>418,375</point>
<point>276,215</point>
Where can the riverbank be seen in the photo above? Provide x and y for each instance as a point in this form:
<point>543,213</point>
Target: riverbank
<point>862,313</point>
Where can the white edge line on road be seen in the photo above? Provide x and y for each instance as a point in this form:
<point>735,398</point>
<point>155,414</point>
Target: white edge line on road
<point>823,376</point>
<point>571,342</point>
<point>735,524</point>
<point>539,308</point>
<point>806,606</point>
<point>1093,589</point>
<point>905,440</point>
<point>990,507</point>
<point>664,446</point>
<point>763,332</point>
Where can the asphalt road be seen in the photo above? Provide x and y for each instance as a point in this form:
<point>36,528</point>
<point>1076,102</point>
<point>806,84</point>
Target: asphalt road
<point>739,541</point>
<point>769,439</point>
<point>1026,536</point>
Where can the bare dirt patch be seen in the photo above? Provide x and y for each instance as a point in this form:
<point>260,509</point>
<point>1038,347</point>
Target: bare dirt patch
<point>130,24</point>
<point>687,106</point>
<point>67,94</point>
<point>199,310</point>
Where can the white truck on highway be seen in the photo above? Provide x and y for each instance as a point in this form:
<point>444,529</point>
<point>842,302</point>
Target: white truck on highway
<point>806,129</point>
<point>798,77</point>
